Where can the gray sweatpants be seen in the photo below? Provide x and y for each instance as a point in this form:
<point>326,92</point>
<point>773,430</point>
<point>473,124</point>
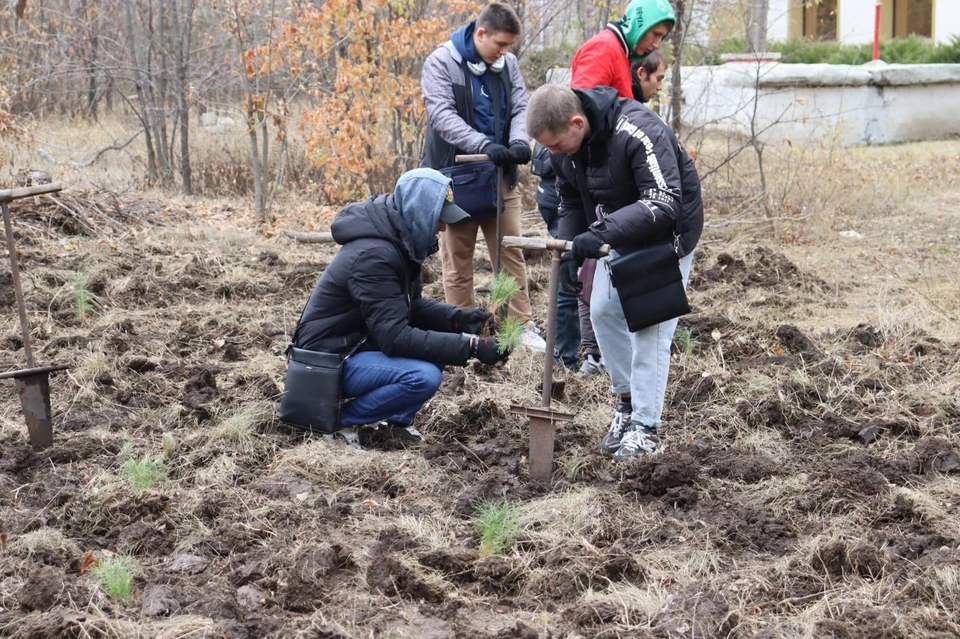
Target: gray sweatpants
<point>639,362</point>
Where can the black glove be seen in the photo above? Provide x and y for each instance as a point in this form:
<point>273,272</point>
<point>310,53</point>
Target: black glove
<point>520,153</point>
<point>497,153</point>
<point>587,245</point>
<point>568,273</point>
<point>471,321</point>
<point>486,350</point>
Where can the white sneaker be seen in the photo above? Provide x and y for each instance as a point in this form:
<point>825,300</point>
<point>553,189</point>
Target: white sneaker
<point>532,340</point>
<point>592,365</point>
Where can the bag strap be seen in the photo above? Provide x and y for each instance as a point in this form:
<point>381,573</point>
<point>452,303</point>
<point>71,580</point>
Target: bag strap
<point>495,96</point>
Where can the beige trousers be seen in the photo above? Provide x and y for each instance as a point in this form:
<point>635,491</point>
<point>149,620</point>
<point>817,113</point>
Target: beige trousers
<point>457,245</point>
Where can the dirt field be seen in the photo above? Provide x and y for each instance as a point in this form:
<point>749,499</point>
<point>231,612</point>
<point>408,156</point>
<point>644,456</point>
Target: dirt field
<point>809,487</point>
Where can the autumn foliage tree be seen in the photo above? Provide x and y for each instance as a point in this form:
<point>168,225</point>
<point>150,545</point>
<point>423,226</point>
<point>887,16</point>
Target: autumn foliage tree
<point>369,123</point>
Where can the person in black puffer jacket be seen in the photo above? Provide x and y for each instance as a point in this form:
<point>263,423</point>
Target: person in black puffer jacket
<point>369,300</point>
<point>646,190</point>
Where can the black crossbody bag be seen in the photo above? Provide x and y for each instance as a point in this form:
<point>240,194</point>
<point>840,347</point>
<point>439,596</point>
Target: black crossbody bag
<point>648,280</point>
<point>312,390</point>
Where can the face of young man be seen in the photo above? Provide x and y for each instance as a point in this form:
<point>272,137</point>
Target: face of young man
<point>652,39</point>
<point>651,83</point>
<point>568,141</point>
<point>492,46</point>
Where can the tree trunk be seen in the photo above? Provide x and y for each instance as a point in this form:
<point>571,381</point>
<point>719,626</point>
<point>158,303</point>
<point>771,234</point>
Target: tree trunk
<point>757,29</point>
<point>676,92</point>
<point>183,30</point>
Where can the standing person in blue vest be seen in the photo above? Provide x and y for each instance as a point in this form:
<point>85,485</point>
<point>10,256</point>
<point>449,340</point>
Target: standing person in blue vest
<point>460,80</point>
<point>573,315</point>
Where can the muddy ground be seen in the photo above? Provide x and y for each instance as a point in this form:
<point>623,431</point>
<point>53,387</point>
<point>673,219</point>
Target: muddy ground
<point>808,486</point>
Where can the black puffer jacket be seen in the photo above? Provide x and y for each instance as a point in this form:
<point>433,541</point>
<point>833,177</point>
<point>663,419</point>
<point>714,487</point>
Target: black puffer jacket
<point>632,163</point>
<point>541,166</point>
<point>372,289</point>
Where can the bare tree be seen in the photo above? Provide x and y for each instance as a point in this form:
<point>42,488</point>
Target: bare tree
<point>757,27</point>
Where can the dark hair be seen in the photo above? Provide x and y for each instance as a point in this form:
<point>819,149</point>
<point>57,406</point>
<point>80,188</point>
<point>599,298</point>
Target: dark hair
<point>497,18</point>
<point>650,64</point>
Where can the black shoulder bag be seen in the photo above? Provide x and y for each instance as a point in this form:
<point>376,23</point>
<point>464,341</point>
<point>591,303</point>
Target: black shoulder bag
<point>475,186</point>
<point>648,280</point>
<point>312,389</point>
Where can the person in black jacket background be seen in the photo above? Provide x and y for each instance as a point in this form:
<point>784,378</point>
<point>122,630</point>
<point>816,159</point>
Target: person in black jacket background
<point>573,315</point>
<point>646,190</point>
<point>369,299</point>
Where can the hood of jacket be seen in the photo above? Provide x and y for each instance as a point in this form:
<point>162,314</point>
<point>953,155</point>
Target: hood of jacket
<point>639,17</point>
<point>598,104</point>
<point>408,218</point>
<point>462,40</point>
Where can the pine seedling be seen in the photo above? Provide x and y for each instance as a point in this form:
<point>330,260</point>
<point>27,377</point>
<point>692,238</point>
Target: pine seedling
<point>508,337</point>
<point>498,527</point>
<point>115,576</point>
<point>503,289</point>
<point>82,298</point>
<point>685,340</point>
<point>143,473</point>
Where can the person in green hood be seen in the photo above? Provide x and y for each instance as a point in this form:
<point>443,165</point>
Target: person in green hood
<point>604,59</point>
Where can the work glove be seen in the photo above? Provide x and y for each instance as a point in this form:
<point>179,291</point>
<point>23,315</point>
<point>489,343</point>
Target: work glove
<point>486,350</point>
<point>568,273</point>
<point>587,245</point>
<point>470,321</point>
<point>520,153</point>
<point>497,153</point>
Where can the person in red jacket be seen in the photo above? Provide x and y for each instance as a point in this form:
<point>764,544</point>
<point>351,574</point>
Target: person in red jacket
<point>604,59</point>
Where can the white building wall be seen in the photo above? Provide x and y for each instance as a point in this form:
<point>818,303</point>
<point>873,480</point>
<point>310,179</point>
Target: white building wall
<point>946,20</point>
<point>778,21</point>
<point>855,21</point>
<point>874,103</point>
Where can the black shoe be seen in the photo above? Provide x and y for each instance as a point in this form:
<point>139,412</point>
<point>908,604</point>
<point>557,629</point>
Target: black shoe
<point>618,426</point>
<point>639,440</point>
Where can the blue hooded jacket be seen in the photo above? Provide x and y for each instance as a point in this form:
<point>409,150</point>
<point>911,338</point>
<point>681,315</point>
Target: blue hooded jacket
<point>462,39</point>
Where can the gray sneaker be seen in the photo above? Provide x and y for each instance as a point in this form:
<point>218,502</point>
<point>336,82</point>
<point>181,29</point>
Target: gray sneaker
<point>639,440</point>
<point>592,365</point>
<point>619,424</point>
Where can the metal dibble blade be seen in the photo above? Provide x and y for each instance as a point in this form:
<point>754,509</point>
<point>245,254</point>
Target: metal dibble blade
<point>34,391</point>
<point>543,426</point>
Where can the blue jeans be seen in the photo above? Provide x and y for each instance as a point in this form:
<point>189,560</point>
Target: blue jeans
<point>378,387</point>
<point>566,347</point>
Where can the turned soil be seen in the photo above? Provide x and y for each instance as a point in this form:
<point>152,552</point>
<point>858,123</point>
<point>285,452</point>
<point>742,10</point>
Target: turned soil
<point>808,486</point>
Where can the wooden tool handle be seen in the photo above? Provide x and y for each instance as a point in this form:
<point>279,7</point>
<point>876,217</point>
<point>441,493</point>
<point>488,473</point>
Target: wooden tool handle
<point>544,244</point>
<point>8,195</point>
<point>478,157</point>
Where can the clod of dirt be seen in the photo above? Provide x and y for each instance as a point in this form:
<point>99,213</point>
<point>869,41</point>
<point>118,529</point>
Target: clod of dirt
<point>158,600</point>
<point>42,588</point>
<point>455,562</point>
<point>756,530</point>
<point>656,474</point>
<point>859,622</point>
<point>935,454</point>
<point>392,578</point>
<point>796,342</point>
<point>500,573</point>
<point>748,469</point>
<point>251,596</point>
<point>621,564</point>
<point>865,337</point>
<point>589,615</point>
<point>141,365</point>
<point>188,564</point>
<point>838,559</point>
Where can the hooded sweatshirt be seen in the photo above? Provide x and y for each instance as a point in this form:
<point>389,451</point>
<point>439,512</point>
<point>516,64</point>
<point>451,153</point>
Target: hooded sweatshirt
<point>604,59</point>
<point>372,289</point>
<point>482,90</point>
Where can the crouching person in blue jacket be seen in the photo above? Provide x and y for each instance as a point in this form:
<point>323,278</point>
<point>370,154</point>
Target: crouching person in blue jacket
<point>367,307</point>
